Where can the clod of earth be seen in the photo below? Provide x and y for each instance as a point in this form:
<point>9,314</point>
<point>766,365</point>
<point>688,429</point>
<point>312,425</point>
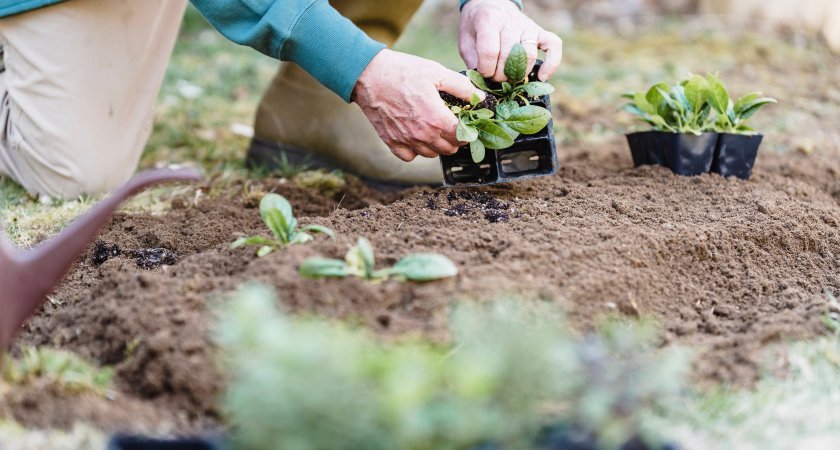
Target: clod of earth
<point>146,258</point>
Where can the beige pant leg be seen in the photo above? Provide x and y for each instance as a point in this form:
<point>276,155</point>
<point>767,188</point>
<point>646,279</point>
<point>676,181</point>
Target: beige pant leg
<point>296,111</point>
<point>79,90</point>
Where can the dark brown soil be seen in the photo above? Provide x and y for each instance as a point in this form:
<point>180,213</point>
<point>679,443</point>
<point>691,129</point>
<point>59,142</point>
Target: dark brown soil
<point>725,266</point>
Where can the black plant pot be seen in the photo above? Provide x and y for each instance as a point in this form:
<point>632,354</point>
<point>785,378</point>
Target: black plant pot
<point>140,443</point>
<point>735,155</point>
<point>685,154</point>
<point>530,156</point>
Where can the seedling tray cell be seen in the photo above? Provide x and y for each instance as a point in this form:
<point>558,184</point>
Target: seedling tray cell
<point>684,154</point>
<point>141,443</point>
<point>735,155</point>
<point>529,157</point>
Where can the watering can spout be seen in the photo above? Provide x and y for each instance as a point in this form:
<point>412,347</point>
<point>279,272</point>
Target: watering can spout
<point>26,277</point>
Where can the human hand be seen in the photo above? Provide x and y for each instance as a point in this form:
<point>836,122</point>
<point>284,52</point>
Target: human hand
<point>490,28</point>
<point>399,95</point>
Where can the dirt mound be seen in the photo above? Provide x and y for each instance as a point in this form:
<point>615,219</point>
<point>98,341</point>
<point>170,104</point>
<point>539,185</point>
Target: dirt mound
<point>725,266</point>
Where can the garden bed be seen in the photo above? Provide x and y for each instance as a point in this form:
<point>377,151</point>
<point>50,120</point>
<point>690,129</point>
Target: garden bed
<point>724,266</point>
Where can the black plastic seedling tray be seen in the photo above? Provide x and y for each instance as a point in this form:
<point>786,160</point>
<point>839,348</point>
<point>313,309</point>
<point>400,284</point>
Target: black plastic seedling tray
<point>530,156</point>
<point>141,443</point>
<point>730,155</point>
<point>685,154</point>
<point>735,155</point>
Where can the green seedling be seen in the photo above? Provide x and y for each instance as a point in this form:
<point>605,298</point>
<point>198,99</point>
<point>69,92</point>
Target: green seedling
<point>509,368</point>
<point>361,262</point>
<point>485,129</point>
<point>688,107</point>
<point>733,115</point>
<point>277,214</point>
<point>63,368</point>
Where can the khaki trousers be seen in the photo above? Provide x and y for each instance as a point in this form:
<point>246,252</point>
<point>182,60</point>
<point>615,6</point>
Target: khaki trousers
<point>82,77</point>
<point>78,94</point>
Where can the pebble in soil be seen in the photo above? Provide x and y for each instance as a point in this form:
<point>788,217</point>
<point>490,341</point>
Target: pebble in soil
<point>146,258</point>
<point>465,203</point>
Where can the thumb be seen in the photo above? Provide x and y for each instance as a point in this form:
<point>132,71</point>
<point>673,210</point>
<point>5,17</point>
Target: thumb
<point>458,85</point>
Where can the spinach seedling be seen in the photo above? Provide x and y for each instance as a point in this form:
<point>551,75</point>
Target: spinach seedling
<point>514,114</point>
<point>360,262</point>
<point>733,116</point>
<point>688,107</point>
<point>276,212</point>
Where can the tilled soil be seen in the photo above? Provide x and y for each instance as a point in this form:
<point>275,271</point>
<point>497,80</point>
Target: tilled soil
<point>725,267</point>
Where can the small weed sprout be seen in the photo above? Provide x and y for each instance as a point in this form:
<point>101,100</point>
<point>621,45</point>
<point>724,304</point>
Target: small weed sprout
<point>360,262</point>
<point>485,129</point>
<point>62,368</point>
<point>687,107</point>
<point>277,214</point>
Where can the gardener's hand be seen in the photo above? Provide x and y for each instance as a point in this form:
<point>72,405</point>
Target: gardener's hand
<point>399,95</point>
<point>490,28</point>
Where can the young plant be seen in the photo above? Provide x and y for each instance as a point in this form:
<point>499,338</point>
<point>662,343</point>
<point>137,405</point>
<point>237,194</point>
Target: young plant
<point>64,369</point>
<point>687,107</point>
<point>360,262</point>
<point>512,368</point>
<point>485,129</point>
<point>276,212</point>
<point>733,116</point>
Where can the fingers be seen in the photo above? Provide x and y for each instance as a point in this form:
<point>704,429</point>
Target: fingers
<point>458,85</point>
<point>404,153</point>
<point>553,46</point>
<point>466,46</point>
<point>488,46</point>
<point>508,38</point>
<point>530,41</point>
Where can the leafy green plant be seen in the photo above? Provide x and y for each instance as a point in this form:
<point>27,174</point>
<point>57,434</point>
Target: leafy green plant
<point>485,129</point>
<point>277,214</point>
<point>63,368</point>
<point>513,367</point>
<point>361,262</point>
<point>687,107</point>
<point>733,115</point>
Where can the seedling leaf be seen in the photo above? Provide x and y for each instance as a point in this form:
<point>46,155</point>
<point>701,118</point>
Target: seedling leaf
<point>276,211</point>
<point>504,108</point>
<point>252,240</point>
<point>264,250</point>
<point>465,132</point>
<point>360,258</point>
<point>528,119</point>
<point>538,89</point>
<point>483,113</point>
<point>425,267</point>
<point>474,99</point>
<point>477,151</point>
<point>516,66</point>
<point>718,95</point>
<point>319,229</point>
<point>324,267</point>
<point>749,109</point>
<point>477,79</point>
<point>492,135</point>
<point>697,91</point>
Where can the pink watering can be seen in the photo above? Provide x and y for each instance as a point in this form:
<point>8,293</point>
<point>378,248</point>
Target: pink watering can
<point>26,277</point>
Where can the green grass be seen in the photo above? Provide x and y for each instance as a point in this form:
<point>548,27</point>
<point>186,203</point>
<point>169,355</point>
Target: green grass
<point>61,368</point>
<point>795,411</point>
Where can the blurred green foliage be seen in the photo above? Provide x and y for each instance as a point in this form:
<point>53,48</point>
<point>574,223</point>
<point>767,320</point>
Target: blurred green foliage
<point>302,384</point>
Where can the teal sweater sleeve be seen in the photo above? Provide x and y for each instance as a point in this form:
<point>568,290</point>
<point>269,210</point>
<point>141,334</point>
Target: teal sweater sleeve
<point>310,33</point>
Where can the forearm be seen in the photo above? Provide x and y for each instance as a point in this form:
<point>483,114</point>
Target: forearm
<point>309,33</point>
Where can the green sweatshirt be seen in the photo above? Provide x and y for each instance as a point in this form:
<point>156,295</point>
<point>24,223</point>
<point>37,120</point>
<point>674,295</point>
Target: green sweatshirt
<point>310,33</point>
